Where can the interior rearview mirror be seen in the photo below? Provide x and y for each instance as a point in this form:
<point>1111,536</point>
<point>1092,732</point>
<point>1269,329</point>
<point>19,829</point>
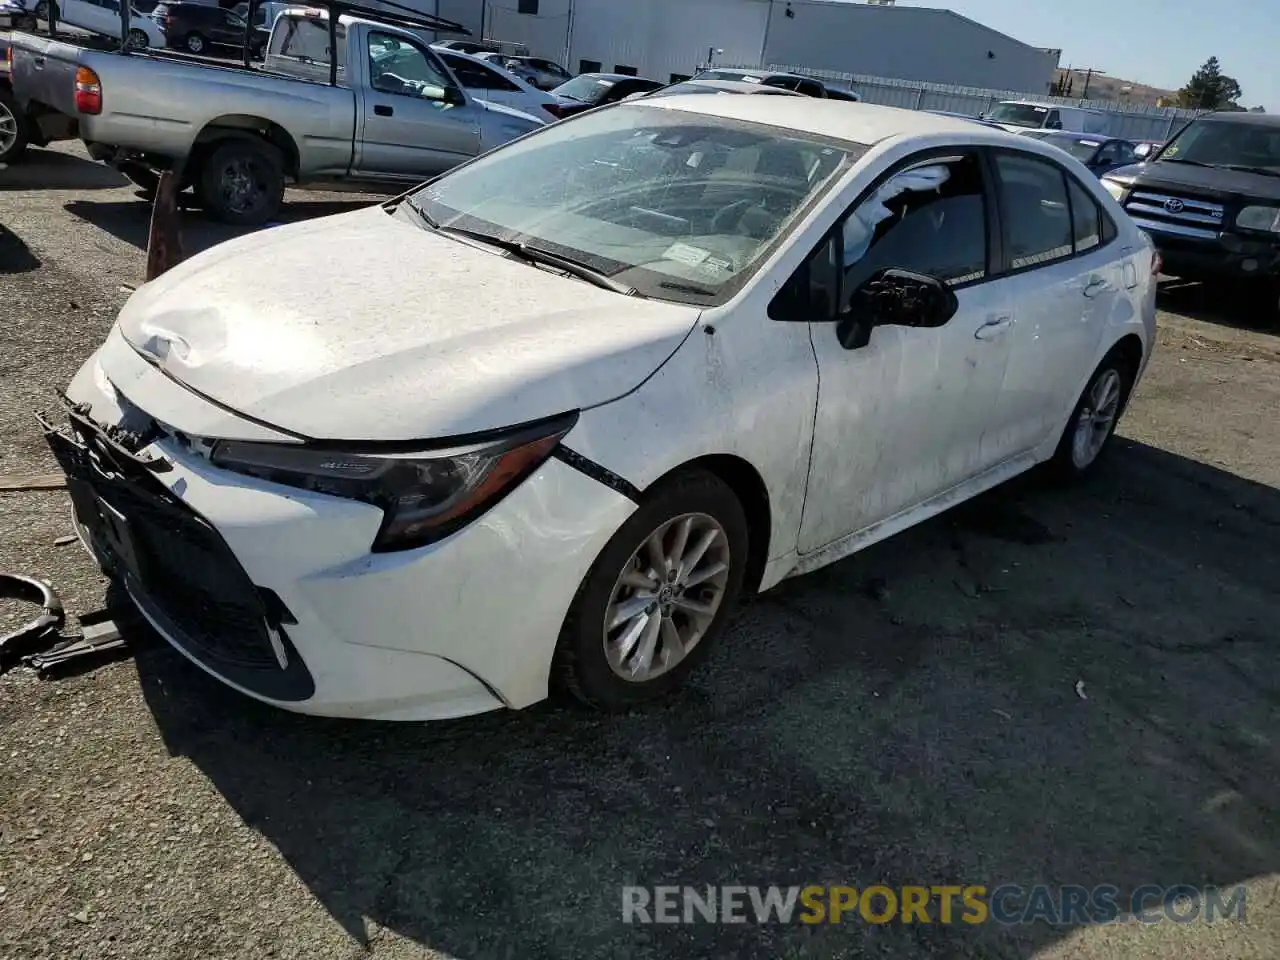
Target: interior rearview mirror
<point>895,298</point>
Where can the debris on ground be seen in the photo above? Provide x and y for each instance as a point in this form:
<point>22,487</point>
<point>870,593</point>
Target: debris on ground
<point>32,634</point>
<point>1080,690</point>
<point>40,481</point>
<point>99,639</point>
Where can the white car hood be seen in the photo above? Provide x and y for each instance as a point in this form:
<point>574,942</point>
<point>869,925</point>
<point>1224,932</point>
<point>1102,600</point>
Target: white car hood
<point>363,326</point>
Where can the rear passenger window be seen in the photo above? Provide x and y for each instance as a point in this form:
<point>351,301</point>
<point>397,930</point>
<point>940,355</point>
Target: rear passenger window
<point>1086,218</point>
<point>1033,206</point>
<point>930,219</point>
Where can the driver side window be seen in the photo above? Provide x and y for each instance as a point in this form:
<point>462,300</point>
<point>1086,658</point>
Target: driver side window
<point>403,69</point>
<point>929,219</point>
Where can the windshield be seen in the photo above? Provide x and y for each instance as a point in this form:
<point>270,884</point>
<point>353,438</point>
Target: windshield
<point>1019,114</point>
<point>1082,148</point>
<point>1227,143</point>
<point>584,89</point>
<point>678,205</point>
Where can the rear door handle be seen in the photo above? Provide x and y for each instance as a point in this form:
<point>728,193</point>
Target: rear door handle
<point>1095,287</point>
<point>383,110</point>
<point>993,328</point>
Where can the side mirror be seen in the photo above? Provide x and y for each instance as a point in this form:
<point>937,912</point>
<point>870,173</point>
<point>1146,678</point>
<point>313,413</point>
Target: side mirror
<point>454,96</point>
<point>1142,151</point>
<point>895,298</point>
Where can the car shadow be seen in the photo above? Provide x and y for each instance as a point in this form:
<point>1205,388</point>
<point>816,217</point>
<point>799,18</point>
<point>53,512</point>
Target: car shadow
<point>15,255</point>
<point>1243,307</point>
<point>130,220</point>
<point>55,170</point>
<point>1045,685</point>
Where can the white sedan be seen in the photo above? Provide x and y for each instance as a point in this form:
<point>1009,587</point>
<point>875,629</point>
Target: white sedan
<point>490,81</point>
<point>541,423</point>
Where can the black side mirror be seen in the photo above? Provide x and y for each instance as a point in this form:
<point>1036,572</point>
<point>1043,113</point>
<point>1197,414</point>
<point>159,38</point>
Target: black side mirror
<point>454,96</point>
<point>897,298</point>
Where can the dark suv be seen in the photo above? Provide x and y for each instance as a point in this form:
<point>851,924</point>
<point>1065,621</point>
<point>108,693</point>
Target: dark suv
<point>198,28</point>
<point>1210,199</point>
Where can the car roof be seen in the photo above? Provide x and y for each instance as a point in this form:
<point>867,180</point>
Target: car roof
<point>839,119</point>
<point>735,86</point>
<point>613,76</point>
<point>1242,116</point>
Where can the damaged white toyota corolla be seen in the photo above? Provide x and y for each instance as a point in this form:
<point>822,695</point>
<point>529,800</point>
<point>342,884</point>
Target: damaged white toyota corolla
<point>539,424</point>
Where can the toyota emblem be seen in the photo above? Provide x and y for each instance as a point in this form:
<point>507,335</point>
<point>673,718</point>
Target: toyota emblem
<point>1174,205</point>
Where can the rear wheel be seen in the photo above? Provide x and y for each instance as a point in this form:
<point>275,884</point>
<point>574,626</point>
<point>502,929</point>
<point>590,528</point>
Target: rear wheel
<point>242,182</point>
<point>657,596</point>
<point>13,129</point>
<point>193,42</point>
<point>138,40</point>
<point>1095,417</point>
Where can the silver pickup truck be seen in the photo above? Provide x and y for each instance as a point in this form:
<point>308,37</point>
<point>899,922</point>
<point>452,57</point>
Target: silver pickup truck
<point>356,100</point>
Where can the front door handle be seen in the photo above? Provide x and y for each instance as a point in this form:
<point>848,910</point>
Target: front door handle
<point>1095,287</point>
<point>383,110</point>
<point>993,328</point>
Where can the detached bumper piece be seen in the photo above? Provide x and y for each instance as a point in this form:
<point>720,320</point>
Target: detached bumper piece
<point>38,631</point>
<point>173,564</point>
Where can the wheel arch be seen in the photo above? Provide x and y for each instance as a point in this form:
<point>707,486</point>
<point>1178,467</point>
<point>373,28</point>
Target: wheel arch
<point>1132,350</point>
<point>235,125</point>
<point>749,487</point>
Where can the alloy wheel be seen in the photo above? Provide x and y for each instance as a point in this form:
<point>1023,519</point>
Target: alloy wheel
<point>1097,418</point>
<point>666,597</point>
<point>243,186</point>
<point>8,129</point>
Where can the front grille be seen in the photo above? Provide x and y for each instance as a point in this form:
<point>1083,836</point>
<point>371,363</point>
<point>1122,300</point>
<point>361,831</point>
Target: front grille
<point>1182,215</point>
<point>186,570</point>
<point>174,562</point>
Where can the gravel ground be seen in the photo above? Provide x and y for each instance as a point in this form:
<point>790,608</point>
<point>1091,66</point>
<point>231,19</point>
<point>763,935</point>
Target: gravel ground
<point>907,716</point>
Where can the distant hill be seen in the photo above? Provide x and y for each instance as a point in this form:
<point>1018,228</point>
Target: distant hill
<point>1107,87</point>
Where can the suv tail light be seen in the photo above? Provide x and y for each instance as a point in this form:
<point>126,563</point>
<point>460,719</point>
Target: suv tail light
<point>88,92</point>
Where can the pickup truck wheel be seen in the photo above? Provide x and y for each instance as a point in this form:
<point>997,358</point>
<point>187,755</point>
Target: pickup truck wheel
<point>13,129</point>
<point>194,42</point>
<point>242,183</point>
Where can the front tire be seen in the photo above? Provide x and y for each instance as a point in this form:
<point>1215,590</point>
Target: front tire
<point>1093,421</point>
<point>660,592</point>
<point>242,182</point>
<point>193,42</point>
<point>138,40</point>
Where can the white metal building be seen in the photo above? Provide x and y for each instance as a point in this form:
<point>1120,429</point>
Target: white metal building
<point>665,39</point>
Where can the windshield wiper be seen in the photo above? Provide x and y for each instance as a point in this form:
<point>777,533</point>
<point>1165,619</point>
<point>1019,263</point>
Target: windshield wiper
<point>421,214</point>
<point>687,288</point>
<point>533,255</point>
<point>1192,163</point>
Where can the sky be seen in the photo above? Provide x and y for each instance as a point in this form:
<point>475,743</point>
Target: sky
<point>1157,42</point>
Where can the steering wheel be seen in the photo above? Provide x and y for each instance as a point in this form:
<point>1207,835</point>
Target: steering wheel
<point>727,217</point>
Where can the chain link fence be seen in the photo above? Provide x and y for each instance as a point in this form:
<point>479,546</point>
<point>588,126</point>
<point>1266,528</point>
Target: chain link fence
<point>1129,120</point>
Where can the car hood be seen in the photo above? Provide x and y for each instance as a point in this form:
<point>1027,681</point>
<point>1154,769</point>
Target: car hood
<point>1214,181</point>
<point>365,326</point>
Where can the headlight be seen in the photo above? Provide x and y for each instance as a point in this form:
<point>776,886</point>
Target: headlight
<point>1117,189</point>
<point>424,495</point>
<point>1260,218</point>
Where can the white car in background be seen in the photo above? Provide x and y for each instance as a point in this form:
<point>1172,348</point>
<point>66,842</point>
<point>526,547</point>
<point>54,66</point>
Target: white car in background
<point>103,17</point>
<point>488,81</point>
<point>541,423</point>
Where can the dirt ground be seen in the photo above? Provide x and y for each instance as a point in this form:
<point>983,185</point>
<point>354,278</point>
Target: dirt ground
<point>1046,686</point>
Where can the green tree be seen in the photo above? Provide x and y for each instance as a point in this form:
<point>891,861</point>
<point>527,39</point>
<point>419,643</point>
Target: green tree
<point>1209,88</point>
